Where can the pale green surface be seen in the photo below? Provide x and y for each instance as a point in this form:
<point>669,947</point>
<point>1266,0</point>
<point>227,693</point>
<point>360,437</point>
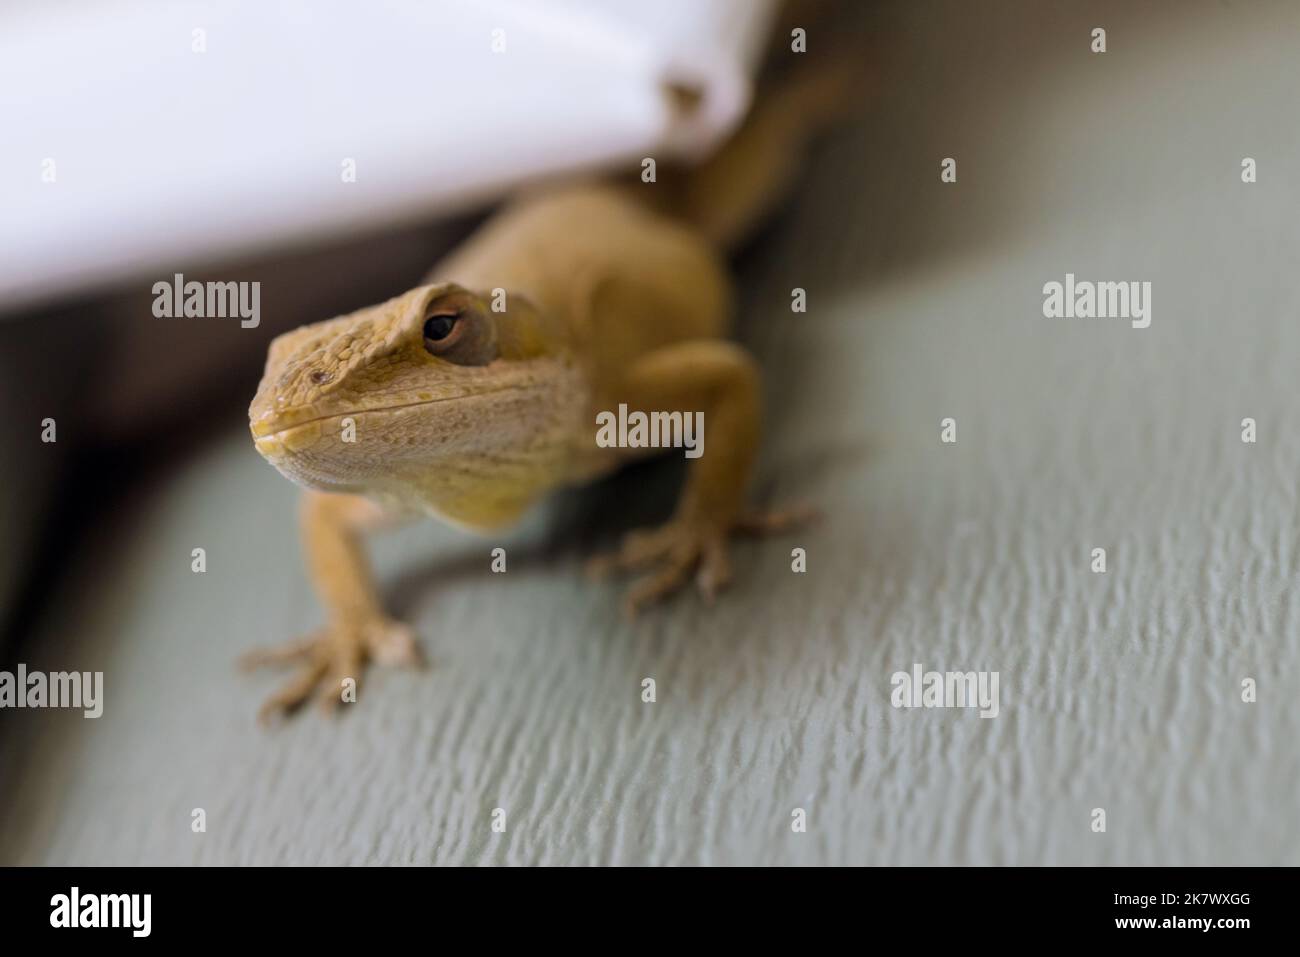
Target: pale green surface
<point>1118,691</point>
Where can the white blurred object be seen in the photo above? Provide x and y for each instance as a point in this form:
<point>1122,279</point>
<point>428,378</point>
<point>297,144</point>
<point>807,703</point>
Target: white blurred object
<point>163,155</point>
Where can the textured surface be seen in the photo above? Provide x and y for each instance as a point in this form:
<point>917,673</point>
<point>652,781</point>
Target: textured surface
<point>1119,691</point>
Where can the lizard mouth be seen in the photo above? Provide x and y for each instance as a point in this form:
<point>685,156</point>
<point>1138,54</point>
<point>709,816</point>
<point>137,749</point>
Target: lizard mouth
<point>275,435</point>
<point>270,426</point>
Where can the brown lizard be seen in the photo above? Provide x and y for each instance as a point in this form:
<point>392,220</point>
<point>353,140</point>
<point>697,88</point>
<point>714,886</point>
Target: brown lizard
<point>472,395</point>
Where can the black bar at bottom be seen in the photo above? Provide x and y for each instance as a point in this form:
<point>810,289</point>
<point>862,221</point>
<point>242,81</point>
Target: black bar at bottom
<point>335,906</point>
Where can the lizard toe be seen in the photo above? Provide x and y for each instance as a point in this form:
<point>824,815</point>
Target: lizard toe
<point>683,546</point>
<point>775,521</point>
<point>286,653</point>
<point>638,548</point>
<point>655,586</point>
<point>715,568</point>
<point>292,694</point>
<point>333,660</point>
<point>341,677</point>
<point>393,643</point>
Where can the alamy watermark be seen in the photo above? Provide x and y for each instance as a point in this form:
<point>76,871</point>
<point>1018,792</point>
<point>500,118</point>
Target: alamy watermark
<point>946,689</point>
<point>651,430</point>
<point>211,300</point>
<point>1098,300</point>
<point>58,689</point>
<point>75,909</point>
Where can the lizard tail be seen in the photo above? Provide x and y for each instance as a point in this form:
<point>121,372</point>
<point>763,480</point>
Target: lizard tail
<point>729,195</point>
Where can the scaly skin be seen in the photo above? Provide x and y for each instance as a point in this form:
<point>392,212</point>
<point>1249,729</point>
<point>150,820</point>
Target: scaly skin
<point>606,301</point>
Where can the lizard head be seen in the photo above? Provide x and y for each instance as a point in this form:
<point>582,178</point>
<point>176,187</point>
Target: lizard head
<point>432,399</point>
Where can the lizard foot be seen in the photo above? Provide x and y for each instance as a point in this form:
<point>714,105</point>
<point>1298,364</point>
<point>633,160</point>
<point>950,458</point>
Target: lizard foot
<point>683,546</point>
<point>328,657</point>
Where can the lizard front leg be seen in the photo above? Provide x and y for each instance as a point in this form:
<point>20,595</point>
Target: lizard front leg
<point>357,630</point>
<point>720,380</point>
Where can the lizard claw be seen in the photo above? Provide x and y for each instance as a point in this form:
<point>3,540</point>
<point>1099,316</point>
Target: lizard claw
<point>328,659</point>
<point>757,522</point>
<point>683,546</point>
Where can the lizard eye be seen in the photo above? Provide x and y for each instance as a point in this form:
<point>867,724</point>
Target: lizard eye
<point>437,330</point>
<point>457,330</point>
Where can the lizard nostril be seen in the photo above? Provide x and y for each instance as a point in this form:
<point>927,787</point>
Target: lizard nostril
<point>320,377</point>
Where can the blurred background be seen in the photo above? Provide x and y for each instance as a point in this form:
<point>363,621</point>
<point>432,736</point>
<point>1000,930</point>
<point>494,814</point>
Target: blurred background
<point>211,140</point>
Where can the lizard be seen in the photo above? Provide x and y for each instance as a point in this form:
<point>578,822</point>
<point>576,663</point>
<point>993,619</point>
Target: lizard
<point>472,395</point>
